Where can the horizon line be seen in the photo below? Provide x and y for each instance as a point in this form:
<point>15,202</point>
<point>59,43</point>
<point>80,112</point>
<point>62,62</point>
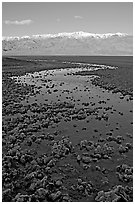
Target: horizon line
<point>34,35</point>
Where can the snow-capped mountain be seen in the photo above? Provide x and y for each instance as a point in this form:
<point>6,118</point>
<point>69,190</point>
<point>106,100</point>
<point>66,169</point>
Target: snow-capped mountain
<point>76,43</point>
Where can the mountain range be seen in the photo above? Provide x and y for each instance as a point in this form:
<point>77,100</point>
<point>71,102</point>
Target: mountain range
<point>76,43</point>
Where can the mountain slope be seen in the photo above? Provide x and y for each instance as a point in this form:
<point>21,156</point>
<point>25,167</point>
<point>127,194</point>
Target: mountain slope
<point>77,43</point>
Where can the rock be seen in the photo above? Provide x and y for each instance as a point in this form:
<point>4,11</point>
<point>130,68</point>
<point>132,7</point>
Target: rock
<point>12,139</point>
<point>124,173</point>
<point>22,159</point>
<point>83,144</point>
<point>30,176</point>
<point>123,149</point>
<point>38,140</point>
<point>33,186</point>
<point>98,168</point>
<point>66,198</point>
<point>129,135</point>
<point>33,138</point>
<point>32,198</point>
<point>85,104</point>
<point>55,196</point>
<point>29,142</point>
<point>129,145</point>
<point>34,163</point>
<point>44,181</point>
<point>117,194</point>
<point>79,181</point>
<point>84,128</point>
<point>107,197</point>
<point>80,187</point>
<point>78,158</point>
<point>21,198</point>
<point>98,156</point>
<point>58,183</point>
<point>86,166</point>
<point>86,160</point>
<point>6,195</point>
<point>47,160</point>
<point>110,138</point>
<point>81,117</point>
<point>41,193</point>
<point>88,148</point>
<point>106,156</point>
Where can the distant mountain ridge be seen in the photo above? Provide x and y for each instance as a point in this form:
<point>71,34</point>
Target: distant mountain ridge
<point>76,43</point>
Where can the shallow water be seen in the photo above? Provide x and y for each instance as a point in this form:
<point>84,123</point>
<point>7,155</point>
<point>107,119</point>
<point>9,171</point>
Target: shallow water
<point>78,90</point>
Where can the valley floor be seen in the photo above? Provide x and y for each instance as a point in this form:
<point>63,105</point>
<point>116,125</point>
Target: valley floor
<point>67,129</point>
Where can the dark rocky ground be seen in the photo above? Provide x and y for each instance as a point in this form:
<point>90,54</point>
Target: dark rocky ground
<point>39,166</point>
<point>117,80</point>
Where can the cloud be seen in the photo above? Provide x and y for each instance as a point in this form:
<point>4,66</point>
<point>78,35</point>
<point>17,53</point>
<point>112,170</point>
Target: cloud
<point>58,19</point>
<point>23,22</point>
<point>78,17</point>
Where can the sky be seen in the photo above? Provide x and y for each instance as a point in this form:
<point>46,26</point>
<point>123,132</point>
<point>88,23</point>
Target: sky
<point>32,18</point>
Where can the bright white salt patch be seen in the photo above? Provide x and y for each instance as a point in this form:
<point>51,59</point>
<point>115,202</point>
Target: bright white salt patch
<point>89,67</point>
